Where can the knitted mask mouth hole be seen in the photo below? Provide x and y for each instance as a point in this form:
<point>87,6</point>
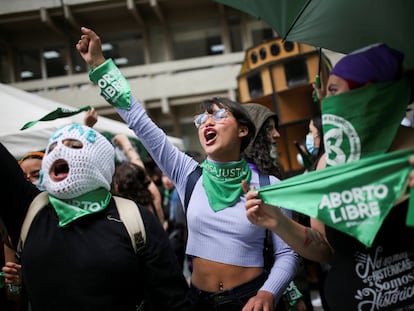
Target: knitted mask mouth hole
<point>59,170</point>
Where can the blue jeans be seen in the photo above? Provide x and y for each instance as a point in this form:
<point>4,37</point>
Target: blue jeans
<point>229,300</point>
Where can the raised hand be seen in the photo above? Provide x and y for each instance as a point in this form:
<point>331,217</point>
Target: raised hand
<point>90,118</point>
<point>90,48</point>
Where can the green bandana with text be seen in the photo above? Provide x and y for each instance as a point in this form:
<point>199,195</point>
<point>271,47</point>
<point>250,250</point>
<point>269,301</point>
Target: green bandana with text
<point>222,182</point>
<point>87,204</point>
<point>354,198</point>
<point>114,87</point>
<point>56,114</point>
<point>364,121</point>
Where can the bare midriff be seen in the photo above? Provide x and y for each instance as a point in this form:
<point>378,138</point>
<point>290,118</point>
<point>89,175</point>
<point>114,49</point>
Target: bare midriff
<point>211,276</point>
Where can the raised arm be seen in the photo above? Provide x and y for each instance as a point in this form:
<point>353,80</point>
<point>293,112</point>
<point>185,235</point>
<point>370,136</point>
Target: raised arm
<point>116,91</point>
<point>133,156</point>
<point>17,193</point>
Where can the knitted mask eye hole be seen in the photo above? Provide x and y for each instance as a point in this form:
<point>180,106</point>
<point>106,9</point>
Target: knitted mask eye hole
<point>73,143</point>
<point>51,147</point>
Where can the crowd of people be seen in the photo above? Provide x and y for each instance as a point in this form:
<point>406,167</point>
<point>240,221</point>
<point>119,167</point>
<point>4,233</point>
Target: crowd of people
<point>374,76</point>
<point>244,252</point>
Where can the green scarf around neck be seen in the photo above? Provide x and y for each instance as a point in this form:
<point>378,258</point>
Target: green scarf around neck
<point>87,204</point>
<point>363,122</point>
<point>222,182</point>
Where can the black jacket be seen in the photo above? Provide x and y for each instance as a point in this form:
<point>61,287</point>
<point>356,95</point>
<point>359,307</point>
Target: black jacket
<point>90,264</point>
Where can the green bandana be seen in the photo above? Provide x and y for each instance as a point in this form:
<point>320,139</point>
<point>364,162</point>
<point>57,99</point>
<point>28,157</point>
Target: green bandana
<point>114,87</point>
<point>89,203</point>
<point>222,182</point>
<point>364,121</point>
<point>354,198</point>
<point>56,114</point>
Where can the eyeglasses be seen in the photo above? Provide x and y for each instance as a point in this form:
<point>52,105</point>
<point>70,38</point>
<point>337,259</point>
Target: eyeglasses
<point>216,116</point>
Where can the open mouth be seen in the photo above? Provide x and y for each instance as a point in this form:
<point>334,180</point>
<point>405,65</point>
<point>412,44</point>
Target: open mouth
<point>59,170</point>
<point>209,135</point>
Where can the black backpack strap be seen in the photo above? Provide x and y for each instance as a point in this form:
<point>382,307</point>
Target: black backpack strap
<point>268,253</point>
<point>191,181</point>
<point>264,180</point>
<point>39,202</point>
<point>131,217</point>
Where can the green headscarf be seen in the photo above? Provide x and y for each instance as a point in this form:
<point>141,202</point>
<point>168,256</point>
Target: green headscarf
<point>356,194</point>
<point>364,121</point>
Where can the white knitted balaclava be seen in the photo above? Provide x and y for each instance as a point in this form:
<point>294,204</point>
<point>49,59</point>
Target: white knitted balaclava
<point>90,167</point>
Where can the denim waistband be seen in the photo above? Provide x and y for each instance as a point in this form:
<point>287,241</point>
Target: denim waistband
<point>256,282</point>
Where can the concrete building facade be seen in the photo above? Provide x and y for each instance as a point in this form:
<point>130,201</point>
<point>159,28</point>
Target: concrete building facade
<point>173,52</point>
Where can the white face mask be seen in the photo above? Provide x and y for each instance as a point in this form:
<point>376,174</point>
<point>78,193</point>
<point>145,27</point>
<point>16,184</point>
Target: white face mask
<point>38,183</point>
<point>273,152</point>
<point>90,167</point>
<point>310,144</point>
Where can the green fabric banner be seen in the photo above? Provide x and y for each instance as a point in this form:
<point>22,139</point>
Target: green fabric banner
<point>354,198</point>
<point>363,122</point>
<point>56,114</point>
<point>114,87</point>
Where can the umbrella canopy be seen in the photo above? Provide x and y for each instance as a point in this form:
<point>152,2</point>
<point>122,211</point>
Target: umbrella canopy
<point>338,25</point>
<point>279,14</point>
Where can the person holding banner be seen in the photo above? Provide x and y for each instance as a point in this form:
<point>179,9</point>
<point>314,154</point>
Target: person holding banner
<point>226,249</point>
<point>261,156</point>
<point>362,213</point>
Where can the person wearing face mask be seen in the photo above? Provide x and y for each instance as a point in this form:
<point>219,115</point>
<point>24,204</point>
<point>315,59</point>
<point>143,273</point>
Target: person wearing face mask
<point>262,150</point>
<point>261,155</point>
<point>79,236</point>
<point>313,148</point>
<point>365,148</point>
<point>313,139</point>
<point>31,165</point>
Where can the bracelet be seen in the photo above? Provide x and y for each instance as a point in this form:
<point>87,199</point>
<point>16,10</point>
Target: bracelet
<point>130,149</point>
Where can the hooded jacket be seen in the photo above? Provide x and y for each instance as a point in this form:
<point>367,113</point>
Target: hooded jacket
<point>259,115</point>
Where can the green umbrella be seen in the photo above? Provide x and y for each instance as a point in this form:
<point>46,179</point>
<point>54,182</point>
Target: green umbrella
<point>279,14</point>
<point>338,25</point>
